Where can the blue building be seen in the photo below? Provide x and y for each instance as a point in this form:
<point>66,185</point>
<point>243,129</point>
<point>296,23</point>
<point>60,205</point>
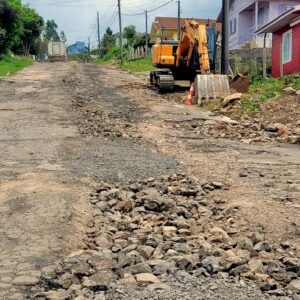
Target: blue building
<point>77,48</point>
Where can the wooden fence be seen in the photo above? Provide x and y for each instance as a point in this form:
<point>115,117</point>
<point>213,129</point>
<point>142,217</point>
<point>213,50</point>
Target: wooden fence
<point>247,59</point>
<point>138,53</point>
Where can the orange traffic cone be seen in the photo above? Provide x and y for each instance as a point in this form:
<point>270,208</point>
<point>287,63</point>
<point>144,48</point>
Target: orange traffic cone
<point>189,99</point>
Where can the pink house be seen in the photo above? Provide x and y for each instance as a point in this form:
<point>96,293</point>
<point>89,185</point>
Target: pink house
<point>286,42</point>
<point>248,16</point>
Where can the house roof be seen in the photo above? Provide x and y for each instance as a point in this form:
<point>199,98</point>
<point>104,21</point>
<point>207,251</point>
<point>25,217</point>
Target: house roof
<point>171,23</point>
<point>283,20</point>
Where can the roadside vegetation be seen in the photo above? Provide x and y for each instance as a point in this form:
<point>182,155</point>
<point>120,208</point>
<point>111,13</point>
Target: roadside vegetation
<point>263,90</point>
<point>23,33</point>
<point>138,65</point>
<point>10,65</point>
<point>111,54</point>
<point>134,66</point>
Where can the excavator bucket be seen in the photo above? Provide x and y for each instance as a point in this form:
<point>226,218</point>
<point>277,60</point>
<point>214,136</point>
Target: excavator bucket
<point>211,86</point>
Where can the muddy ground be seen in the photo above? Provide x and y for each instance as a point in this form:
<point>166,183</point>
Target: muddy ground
<point>96,167</point>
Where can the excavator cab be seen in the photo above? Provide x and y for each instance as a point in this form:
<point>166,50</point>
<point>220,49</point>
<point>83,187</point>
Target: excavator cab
<point>164,54</point>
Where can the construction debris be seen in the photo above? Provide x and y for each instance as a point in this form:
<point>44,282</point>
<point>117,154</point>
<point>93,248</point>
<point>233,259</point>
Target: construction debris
<point>240,83</point>
<point>162,227</point>
<point>231,98</point>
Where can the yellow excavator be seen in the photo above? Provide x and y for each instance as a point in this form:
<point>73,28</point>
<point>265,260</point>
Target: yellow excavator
<point>190,59</point>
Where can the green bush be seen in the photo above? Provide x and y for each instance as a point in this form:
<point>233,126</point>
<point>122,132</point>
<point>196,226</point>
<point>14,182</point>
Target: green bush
<point>113,53</point>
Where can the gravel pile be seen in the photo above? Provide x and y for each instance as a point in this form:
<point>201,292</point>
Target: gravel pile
<point>250,132</point>
<point>96,123</point>
<point>160,234</point>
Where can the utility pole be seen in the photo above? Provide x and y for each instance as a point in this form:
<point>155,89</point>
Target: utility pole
<point>225,38</point>
<point>89,50</point>
<point>98,26</point>
<point>147,40</point>
<point>179,21</point>
<point>120,30</point>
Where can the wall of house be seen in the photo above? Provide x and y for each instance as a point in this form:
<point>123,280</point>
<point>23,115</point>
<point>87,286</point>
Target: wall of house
<point>241,4</point>
<point>294,65</point>
<point>246,26</point>
<point>244,20</point>
<point>278,7</point>
<point>268,10</point>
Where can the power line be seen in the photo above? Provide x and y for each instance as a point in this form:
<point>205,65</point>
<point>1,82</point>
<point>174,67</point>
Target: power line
<point>150,10</point>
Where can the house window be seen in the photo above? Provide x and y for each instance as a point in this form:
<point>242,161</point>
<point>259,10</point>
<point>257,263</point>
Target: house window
<point>233,26</point>
<point>287,47</point>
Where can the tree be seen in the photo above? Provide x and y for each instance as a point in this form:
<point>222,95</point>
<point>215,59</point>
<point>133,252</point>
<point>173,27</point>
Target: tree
<point>20,27</point>
<point>63,37</point>
<point>108,31</point>
<point>10,24</point>
<point>50,33</point>
<point>129,32</point>
<point>140,41</point>
<point>32,26</point>
<point>108,41</point>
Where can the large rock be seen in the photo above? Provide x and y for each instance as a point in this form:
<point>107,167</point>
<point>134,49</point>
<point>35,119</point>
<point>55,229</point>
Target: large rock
<point>128,279</point>
<point>103,277</point>
<point>213,264</point>
<point>218,235</point>
<point>294,286</point>
<point>262,246</point>
<point>181,247</point>
<point>146,251</point>
<point>66,280</point>
<point>139,268</point>
<point>147,278</point>
<point>245,244</point>
<point>231,98</point>
<point>164,267</point>
<point>25,280</point>
<point>124,206</point>
<point>57,295</point>
<point>104,241</point>
<point>256,266</point>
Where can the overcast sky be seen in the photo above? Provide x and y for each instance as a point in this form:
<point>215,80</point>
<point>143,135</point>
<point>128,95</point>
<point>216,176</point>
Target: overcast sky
<point>78,17</point>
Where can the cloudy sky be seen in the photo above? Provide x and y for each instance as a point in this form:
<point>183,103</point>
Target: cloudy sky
<point>78,17</point>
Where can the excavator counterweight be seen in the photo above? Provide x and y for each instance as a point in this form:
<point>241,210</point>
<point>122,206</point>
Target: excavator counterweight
<point>190,59</point>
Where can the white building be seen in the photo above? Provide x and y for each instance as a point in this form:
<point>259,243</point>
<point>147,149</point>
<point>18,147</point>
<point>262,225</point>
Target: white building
<point>247,16</point>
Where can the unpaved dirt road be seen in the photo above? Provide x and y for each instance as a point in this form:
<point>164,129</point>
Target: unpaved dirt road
<point>68,128</point>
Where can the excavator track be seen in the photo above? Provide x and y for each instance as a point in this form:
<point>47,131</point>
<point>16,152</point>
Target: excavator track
<point>164,81</point>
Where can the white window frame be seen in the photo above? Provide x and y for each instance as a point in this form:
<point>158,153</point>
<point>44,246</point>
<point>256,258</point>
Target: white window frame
<point>289,59</point>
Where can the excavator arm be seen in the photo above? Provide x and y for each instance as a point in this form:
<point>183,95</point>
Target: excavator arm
<point>193,44</point>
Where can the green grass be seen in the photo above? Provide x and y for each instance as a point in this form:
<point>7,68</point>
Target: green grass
<point>262,90</point>
<point>102,62</point>
<point>139,65</point>
<point>134,66</point>
<point>11,65</point>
